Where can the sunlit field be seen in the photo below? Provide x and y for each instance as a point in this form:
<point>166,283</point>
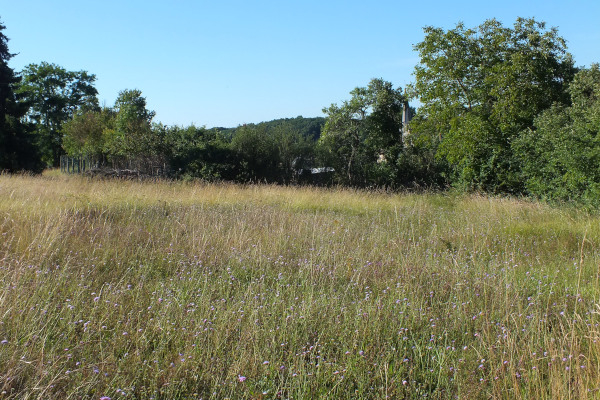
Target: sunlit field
<point>162,290</point>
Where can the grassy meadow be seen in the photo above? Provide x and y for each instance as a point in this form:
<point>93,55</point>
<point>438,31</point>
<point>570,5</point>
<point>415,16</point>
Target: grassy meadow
<point>173,290</point>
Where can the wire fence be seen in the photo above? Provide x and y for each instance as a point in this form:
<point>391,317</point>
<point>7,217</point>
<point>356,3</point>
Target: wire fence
<point>116,167</point>
<point>71,165</point>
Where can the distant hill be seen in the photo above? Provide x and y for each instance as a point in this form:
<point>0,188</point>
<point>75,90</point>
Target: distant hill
<point>308,127</point>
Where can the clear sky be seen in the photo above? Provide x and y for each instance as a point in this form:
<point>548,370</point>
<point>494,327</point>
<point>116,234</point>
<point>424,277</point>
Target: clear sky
<point>228,62</point>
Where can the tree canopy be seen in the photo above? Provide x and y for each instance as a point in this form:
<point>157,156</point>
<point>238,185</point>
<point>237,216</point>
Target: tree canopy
<point>53,96</point>
<point>560,153</point>
<point>364,130</point>
<point>480,87</point>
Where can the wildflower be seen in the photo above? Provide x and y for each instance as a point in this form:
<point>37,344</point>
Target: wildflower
<point>241,378</point>
<point>265,362</point>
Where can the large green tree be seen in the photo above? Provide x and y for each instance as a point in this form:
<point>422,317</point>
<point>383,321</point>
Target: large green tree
<point>85,134</point>
<point>16,150</point>
<point>134,141</point>
<point>560,154</point>
<point>362,137</point>
<point>481,87</point>
<point>53,96</point>
<point>132,135</point>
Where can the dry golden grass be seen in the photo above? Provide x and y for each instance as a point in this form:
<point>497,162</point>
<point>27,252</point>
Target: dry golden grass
<point>173,290</point>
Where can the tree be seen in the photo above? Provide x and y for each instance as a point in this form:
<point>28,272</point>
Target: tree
<point>196,152</point>
<point>364,130</point>
<point>16,149</point>
<point>480,88</point>
<point>291,145</point>
<point>84,135</point>
<point>256,153</point>
<point>53,96</point>
<point>560,154</point>
<point>133,141</point>
<point>271,151</point>
<point>132,135</point>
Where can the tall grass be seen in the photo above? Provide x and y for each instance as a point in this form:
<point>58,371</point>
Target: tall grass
<point>188,290</point>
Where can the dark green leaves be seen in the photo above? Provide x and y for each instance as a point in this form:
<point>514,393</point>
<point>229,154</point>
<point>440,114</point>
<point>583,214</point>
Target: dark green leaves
<point>365,129</point>
<point>560,154</point>
<point>53,96</point>
<point>481,87</point>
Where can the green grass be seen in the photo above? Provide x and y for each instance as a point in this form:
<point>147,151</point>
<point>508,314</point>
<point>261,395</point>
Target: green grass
<point>187,290</point>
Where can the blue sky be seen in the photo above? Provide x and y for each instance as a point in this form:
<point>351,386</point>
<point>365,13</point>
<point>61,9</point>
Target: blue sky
<point>229,62</point>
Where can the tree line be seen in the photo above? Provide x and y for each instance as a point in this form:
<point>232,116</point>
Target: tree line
<point>501,110</point>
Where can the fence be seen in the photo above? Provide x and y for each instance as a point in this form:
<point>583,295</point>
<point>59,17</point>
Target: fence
<point>71,165</point>
<point>119,166</point>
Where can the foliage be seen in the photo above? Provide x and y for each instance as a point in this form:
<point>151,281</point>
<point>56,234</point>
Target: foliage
<point>418,166</point>
<point>200,153</point>
<point>560,154</point>
<point>495,116</point>
<point>307,127</point>
<point>16,148</point>
<point>84,135</point>
<point>481,87</point>
<point>294,147</point>
<point>132,134</point>
<point>256,153</point>
<point>364,130</point>
<point>270,153</point>
<point>132,140</point>
<point>53,96</point>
